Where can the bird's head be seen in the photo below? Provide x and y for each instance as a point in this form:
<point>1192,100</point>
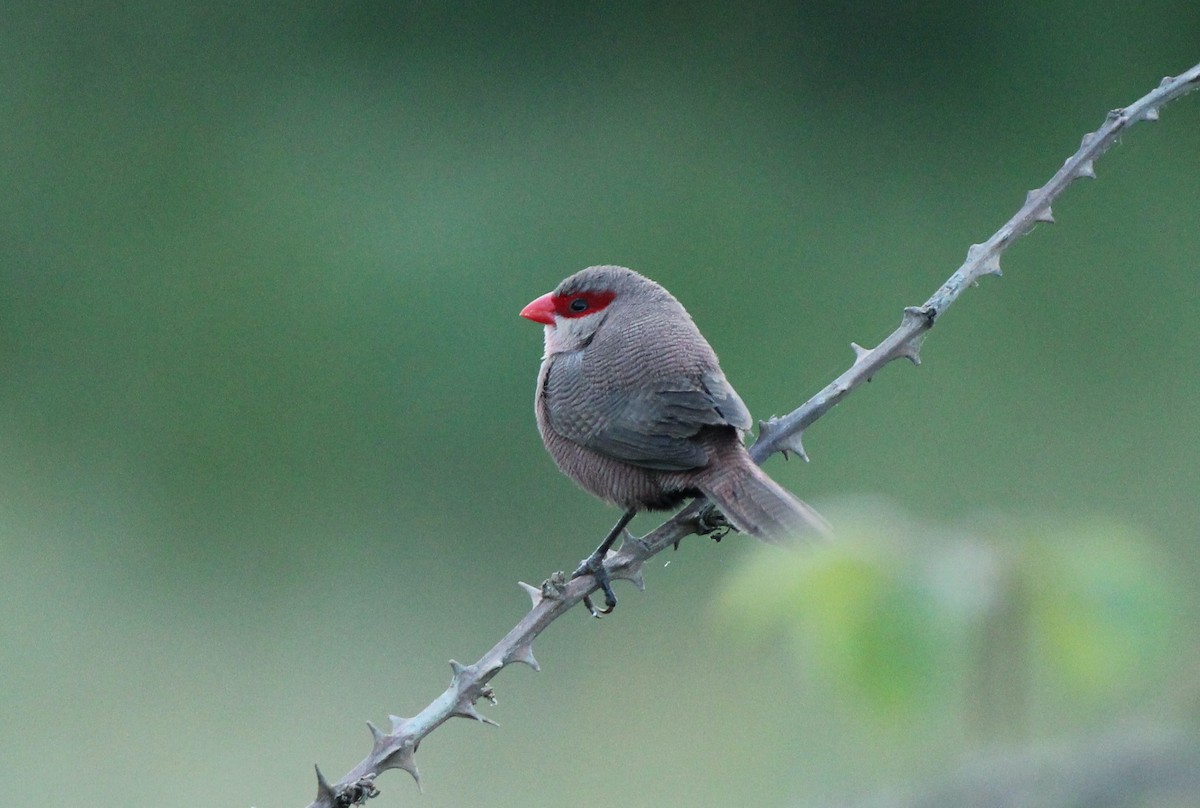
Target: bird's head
<point>580,304</point>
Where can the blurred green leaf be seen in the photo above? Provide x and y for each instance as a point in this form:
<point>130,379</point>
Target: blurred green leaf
<point>851,610</point>
<point>1103,608</point>
<point>888,614</point>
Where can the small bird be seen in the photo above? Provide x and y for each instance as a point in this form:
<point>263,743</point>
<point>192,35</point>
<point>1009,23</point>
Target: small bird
<point>633,407</point>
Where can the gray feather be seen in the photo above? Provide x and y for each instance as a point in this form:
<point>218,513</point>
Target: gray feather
<point>633,406</point>
<point>652,427</point>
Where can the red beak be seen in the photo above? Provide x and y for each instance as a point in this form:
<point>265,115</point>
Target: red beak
<point>540,310</point>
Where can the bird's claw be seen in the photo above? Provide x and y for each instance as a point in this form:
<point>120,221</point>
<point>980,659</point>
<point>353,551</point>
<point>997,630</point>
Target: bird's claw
<point>711,522</point>
<point>593,565</point>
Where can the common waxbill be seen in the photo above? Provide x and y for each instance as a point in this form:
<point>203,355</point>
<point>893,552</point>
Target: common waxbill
<point>633,407</point>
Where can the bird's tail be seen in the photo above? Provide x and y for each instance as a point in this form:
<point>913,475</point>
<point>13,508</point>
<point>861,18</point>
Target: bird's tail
<point>755,504</point>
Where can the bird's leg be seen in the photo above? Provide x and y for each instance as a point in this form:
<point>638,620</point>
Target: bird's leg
<point>594,565</point>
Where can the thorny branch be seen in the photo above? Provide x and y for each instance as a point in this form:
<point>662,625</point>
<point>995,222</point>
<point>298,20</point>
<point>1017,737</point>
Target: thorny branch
<point>395,748</point>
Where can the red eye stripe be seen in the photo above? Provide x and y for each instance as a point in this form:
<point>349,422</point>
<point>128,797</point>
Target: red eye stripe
<point>581,304</point>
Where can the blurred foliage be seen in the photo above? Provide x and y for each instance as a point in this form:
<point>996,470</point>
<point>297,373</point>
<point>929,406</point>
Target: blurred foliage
<point>267,453</point>
<point>894,614</point>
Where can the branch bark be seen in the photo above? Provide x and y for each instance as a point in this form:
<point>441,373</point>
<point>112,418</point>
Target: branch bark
<point>395,749</point>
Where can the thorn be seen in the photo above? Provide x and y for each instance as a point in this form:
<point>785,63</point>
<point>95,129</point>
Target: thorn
<point>524,653</point>
<point>859,352</point>
<point>324,790</point>
<point>989,265</point>
<point>467,710</point>
<point>1041,214</point>
<point>402,751</point>
<point>1166,80</point>
<point>767,430</point>
<point>534,593</point>
<point>1087,170</point>
<point>456,669</point>
<point>633,574</point>
<point>416,775</point>
<point>911,350</point>
<point>794,443</point>
<point>1151,114</point>
<point>636,578</point>
<point>1087,140</point>
<point>635,544</point>
<point>405,759</point>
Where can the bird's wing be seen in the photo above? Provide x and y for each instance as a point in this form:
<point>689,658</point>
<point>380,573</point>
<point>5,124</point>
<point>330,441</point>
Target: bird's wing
<point>653,426</point>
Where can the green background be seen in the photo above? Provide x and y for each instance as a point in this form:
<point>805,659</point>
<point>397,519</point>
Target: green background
<point>268,453</point>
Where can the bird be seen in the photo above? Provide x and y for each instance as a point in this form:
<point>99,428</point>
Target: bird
<point>632,405</point>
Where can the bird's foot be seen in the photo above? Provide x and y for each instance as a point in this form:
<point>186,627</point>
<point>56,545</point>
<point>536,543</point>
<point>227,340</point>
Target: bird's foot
<point>711,522</point>
<point>593,565</point>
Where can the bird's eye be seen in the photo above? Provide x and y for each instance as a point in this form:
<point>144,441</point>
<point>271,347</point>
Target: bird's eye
<point>578,305</point>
